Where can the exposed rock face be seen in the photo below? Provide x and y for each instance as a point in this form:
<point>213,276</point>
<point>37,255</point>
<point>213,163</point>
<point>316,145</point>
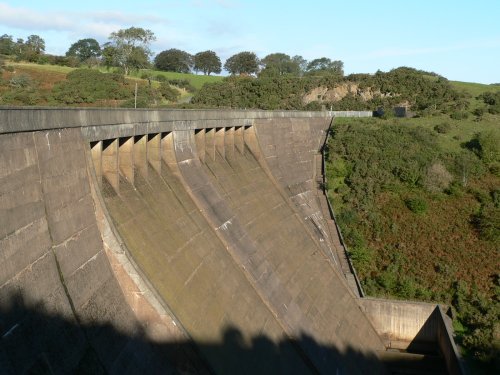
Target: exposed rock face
<point>332,95</point>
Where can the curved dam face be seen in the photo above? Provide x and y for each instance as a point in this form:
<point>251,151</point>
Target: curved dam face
<point>172,241</point>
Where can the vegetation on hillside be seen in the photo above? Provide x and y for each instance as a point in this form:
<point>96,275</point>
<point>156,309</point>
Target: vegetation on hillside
<point>403,85</point>
<point>418,202</point>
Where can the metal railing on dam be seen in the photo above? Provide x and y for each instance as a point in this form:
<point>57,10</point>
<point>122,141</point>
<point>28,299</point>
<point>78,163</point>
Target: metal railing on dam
<point>159,241</point>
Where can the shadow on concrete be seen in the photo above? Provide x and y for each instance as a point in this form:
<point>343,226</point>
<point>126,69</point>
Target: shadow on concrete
<point>35,340</point>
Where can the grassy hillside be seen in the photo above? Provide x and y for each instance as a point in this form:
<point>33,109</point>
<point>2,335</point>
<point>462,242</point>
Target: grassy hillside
<point>474,90</point>
<point>196,80</point>
<point>38,81</point>
<point>418,201</point>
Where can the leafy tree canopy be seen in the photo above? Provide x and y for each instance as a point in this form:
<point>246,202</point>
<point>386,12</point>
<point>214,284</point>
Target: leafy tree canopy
<point>174,60</point>
<point>84,49</point>
<point>35,44</point>
<point>29,50</point>
<point>207,62</point>
<point>325,66</point>
<point>130,48</point>
<point>280,64</point>
<point>7,45</point>
<point>242,63</point>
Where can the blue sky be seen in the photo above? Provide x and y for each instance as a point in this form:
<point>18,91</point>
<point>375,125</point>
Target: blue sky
<point>459,39</point>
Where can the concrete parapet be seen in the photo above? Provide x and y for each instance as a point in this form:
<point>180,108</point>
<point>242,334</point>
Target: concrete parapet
<point>101,123</point>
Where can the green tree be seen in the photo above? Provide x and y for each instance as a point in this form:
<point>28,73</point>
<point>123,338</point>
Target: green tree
<point>487,146</point>
<point>207,62</point>
<point>85,49</point>
<point>301,63</point>
<point>19,48</point>
<point>108,54</point>
<point>174,60</point>
<point>131,48</point>
<point>31,49</point>
<point>242,63</point>
<point>35,44</point>
<point>7,45</point>
<point>279,64</point>
<point>325,66</point>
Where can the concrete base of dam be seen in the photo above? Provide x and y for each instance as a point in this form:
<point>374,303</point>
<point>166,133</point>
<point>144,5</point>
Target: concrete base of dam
<point>178,242</point>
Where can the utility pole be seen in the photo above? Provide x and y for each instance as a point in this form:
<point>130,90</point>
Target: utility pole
<point>135,96</point>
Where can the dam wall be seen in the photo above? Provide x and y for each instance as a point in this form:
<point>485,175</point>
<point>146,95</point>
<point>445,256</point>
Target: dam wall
<point>53,264</point>
<point>203,226</point>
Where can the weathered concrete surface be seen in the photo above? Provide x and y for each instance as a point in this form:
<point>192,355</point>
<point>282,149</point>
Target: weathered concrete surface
<point>279,256</point>
<point>210,220</point>
<point>52,260</point>
<point>401,323</point>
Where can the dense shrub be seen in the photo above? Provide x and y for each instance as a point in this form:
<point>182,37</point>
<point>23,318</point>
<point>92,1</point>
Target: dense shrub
<point>459,115</point>
<point>443,128</point>
<point>147,96</point>
<point>161,78</point>
<point>401,156</point>
<point>169,93</point>
<point>183,84</point>
<point>424,95</point>
<point>23,90</point>
<point>437,178</point>
<point>89,85</point>
<point>486,145</point>
<point>487,222</point>
<point>22,96</point>
<point>21,81</point>
<point>247,92</point>
<point>480,317</point>
<point>416,205</point>
<point>492,101</point>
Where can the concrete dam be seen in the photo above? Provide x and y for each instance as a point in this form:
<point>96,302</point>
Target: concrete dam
<point>190,242</point>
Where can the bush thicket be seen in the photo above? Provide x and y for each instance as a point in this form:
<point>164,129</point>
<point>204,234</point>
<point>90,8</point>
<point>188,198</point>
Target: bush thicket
<point>425,94</point>
<point>380,174</point>
<point>90,85</point>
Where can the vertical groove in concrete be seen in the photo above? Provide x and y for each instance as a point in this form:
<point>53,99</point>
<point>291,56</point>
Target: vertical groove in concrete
<point>141,154</point>
<point>126,158</point>
<point>109,160</point>
<point>154,151</point>
<point>185,261</point>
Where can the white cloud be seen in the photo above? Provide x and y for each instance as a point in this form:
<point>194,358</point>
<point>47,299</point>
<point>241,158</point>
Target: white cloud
<point>97,24</point>
<point>27,19</point>
<point>124,18</point>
